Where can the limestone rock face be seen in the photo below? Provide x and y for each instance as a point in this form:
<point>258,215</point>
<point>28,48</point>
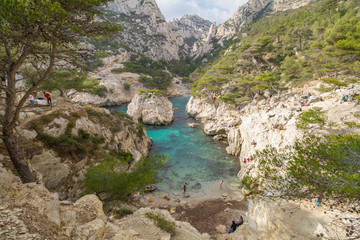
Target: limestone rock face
<point>147,32</point>
<point>30,211</point>
<point>60,168</point>
<point>151,109</point>
<point>117,94</point>
<point>284,220</point>
<point>128,7</point>
<point>242,17</point>
<point>257,124</point>
<point>138,226</point>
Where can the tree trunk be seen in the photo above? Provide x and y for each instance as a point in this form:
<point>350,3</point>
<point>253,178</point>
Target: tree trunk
<point>17,159</point>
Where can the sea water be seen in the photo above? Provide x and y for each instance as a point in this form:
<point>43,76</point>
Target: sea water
<point>194,158</point>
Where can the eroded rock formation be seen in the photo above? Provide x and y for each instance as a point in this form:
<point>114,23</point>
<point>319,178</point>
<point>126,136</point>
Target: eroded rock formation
<point>151,109</point>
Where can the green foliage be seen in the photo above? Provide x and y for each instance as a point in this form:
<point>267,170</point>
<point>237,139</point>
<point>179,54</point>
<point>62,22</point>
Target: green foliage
<point>159,78</point>
<point>317,166</point>
<point>286,49</point>
<point>149,92</point>
<point>68,144</point>
<point>162,223</point>
<point>63,79</point>
<point>31,30</point>
<point>352,124</point>
<point>111,180</point>
<point>119,213</point>
<point>100,90</point>
<point>127,86</point>
<point>334,81</point>
<point>312,116</point>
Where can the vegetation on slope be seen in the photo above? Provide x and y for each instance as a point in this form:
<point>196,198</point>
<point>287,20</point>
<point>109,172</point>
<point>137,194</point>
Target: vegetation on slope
<point>112,180</point>
<point>287,49</point>
<point>317,166</point>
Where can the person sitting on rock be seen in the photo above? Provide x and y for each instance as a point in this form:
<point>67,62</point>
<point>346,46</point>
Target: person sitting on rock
<point>240,222</point>
<point>233,227</point>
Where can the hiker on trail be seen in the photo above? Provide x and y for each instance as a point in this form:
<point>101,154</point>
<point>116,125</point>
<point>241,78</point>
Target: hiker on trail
<point>31,101</point>
<point>244,160</point>
<point>185,187</point>
<point>349,97</point>
<point>318,201</point>
<point>48,97</point>
<point>302,103</point>
<point>3,79</point>
<point>233,227</point>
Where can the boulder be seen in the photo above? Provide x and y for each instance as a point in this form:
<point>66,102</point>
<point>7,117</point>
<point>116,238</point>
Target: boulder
<point>152,109</point>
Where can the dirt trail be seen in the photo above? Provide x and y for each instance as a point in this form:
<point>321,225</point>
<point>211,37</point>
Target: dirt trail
<point>206,215</point>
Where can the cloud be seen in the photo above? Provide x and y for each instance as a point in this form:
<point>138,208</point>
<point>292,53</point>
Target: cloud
<point>214,10</point>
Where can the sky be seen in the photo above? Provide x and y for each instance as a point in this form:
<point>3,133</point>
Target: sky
<point>214,10</point>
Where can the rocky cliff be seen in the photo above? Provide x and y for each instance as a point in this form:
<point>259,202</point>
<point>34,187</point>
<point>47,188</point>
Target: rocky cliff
<point>30,211</point>
<point>147,32</point>
<point>243,17</point>
<point>151,109</point>
<point>272,122</point>
<point>114,83</point>
<point>62,142</point>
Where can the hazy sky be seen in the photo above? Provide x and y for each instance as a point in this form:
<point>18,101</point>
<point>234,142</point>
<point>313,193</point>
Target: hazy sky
<point>214,10</point>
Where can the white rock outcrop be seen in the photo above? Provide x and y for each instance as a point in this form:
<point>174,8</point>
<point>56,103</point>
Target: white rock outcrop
<point>147,32</point>
<point>273,122</point>
<point>31,212</point>
<point>151,109</point>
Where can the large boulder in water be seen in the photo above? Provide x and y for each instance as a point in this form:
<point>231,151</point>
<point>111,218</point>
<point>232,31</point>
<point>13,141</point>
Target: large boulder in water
<point>151,108</point>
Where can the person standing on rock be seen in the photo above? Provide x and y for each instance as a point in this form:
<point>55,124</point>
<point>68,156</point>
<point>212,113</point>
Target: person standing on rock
<point>185,187</point>
<point>31,101</point>
<point>48,97</point>
<point>221,184</point>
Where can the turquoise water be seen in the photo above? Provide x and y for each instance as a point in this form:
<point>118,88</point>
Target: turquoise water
<point>193,157</point>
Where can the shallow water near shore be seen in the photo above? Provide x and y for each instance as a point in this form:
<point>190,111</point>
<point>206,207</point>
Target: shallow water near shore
<point>194,158</point>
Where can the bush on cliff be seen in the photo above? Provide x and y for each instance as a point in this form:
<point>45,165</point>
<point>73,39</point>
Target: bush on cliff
<point>113,180</point>
<point>317,166</point>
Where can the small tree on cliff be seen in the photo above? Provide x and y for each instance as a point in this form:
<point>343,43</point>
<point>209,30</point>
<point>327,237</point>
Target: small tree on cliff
<point>39,34</point>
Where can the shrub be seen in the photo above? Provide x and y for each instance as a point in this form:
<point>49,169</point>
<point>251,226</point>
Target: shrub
<point>334,81</point>
<point>112,180</point>
<point>127,86</point>
<point>149,92</point>
<point>352,124</point>
<point>68,144</point>
<point>122,212</point>
<point>100,90</point>
<point>312,116</point>
<point>162,223</point>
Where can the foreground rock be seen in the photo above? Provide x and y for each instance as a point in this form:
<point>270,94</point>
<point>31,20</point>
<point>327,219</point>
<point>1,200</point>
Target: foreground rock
<point>150,108</point>
<point>273,122</point>
<point>290,220</point>
<point>30,211</point>
<point>64,141</point>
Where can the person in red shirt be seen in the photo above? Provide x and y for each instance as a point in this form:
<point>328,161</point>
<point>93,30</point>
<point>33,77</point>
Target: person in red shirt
<point>48,97</point>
